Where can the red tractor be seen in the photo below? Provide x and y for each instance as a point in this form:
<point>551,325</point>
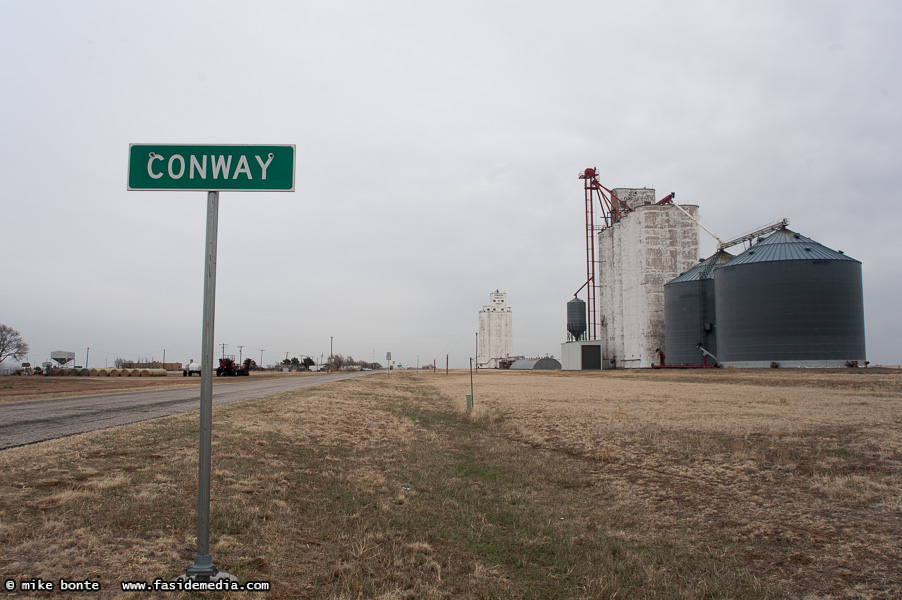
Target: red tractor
<point>228,367</point>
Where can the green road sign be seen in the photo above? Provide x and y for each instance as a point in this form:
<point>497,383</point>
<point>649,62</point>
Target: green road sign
<point>211,168</point>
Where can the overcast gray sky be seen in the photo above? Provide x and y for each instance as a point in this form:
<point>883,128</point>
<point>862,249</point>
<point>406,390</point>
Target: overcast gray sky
<point>438,148</point>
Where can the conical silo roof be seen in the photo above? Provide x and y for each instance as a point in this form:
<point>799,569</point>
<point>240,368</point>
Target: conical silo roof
<point>786,244</point>
<point>704,269</point>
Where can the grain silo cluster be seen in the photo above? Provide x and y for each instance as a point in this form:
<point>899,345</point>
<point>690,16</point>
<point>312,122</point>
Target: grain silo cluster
<point>786,300</point>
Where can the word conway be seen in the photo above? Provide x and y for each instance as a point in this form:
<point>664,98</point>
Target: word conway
<point>211,168</point>
<point>220,166</point>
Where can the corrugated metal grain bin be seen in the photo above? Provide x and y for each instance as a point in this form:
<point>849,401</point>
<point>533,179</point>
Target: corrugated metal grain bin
<point>791,301</point>
<point>690,313</point>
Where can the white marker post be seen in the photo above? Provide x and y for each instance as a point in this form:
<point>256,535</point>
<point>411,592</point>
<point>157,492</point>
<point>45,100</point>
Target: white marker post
<point>256,168</point>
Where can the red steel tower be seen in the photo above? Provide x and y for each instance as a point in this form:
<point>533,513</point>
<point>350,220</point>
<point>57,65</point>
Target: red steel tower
<point>612,210</point>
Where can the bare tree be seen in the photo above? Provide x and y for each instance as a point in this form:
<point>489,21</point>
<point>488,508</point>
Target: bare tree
<point>337,361</point>
<point>11,344</point>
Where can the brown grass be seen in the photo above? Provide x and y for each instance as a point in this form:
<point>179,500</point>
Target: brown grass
<point>645,484</point>
<point>801,471</point>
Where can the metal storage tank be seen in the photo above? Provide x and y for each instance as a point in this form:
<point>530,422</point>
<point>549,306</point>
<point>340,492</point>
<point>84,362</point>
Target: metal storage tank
<point>789,301</point>
<point>689,313</point>
<point>576,319</point>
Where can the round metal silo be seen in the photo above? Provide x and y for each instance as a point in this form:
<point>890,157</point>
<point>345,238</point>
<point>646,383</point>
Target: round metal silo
<point>791,301</point>
<point>576,319</point>
<point>690,313</point>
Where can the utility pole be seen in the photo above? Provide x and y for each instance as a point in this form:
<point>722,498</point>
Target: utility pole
<point>88,356</point>
<point>240,348</point>
<point>223,349</point>
<point>261,358</point>
<point>477,352</point>
<point>331,353</point>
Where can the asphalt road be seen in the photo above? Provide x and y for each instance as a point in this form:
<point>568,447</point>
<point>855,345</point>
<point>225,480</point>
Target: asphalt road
<point>31,421</point>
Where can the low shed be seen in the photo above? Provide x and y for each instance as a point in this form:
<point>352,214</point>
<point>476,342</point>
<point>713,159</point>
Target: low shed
<point>536,364</point>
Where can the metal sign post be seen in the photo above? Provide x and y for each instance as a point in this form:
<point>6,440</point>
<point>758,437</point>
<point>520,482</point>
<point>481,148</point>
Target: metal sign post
<point>211,168</point>
<point>203,568</point>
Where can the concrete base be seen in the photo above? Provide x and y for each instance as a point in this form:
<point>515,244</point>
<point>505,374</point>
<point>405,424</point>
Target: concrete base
<point>789,364</point>
<point>220,576</point>
<point>203,570</point>
<point>580,356</point>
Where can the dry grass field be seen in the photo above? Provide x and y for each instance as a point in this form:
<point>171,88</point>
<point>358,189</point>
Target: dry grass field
<point>626,484</point>
<point>800,471</point>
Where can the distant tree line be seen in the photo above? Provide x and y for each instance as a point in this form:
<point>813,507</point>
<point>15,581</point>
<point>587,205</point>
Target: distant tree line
<point>305,363</point>
<point>336,362</point>
<point>339,362</point>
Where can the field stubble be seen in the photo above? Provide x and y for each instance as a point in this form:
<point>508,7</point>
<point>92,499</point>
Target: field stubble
<point>800,472</point>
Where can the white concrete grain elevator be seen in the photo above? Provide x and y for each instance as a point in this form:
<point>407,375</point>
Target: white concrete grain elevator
<point>637,254</point>
<point>496,332</point>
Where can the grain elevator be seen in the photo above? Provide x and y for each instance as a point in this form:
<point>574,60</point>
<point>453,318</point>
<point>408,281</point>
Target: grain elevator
<point>642,243</point>
<point>496,332</point>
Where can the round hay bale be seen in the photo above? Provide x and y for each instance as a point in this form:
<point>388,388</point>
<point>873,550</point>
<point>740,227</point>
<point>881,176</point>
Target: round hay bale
<point>113,372</point>
<point>94,372</point>
<point>72,372</point>
<point>124,372</point>
<point>134,373</point>
<point>84,372</point>
<point>159,373</point>
<point>144,373</point>
<point>103,372</point>
<point>54,372</point>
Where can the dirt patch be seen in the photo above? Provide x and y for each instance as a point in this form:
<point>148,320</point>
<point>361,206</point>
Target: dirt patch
<point>14,388</point>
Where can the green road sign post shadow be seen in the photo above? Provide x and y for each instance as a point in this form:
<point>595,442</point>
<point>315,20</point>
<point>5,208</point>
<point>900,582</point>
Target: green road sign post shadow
<point>240,168</point>
<point>185,167</point>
